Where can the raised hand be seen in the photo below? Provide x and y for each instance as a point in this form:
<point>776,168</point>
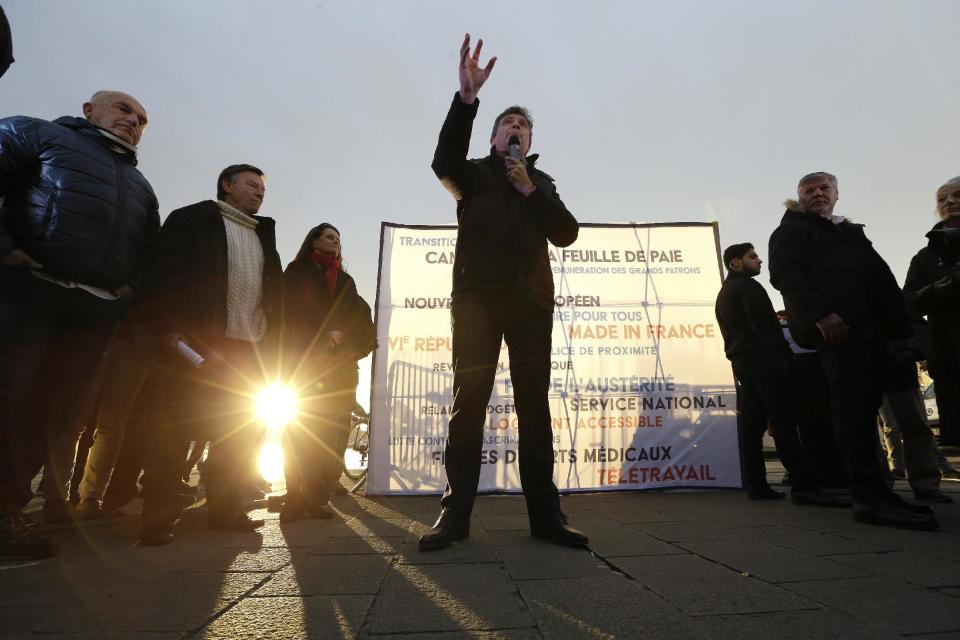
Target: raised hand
<point>472,76</point>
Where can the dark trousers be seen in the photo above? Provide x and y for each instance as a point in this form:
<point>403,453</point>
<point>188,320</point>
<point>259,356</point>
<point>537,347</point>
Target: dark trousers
<point>763,395</point>
<point>214,404</point>
<point>480,324</point>
<point>855,371</point>
<point>51,341</point>
<point>313,446</point>
<point>811,405</point>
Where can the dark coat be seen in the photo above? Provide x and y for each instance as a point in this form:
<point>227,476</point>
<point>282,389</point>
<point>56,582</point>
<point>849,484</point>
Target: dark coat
<point>188,277</point>
<point>943,314</point>
<point>752,337</point>
<point>502,235</point>
<point>822,268</point>
<point>78,208</point>
<point>312,312</point>
<point>6,44</point>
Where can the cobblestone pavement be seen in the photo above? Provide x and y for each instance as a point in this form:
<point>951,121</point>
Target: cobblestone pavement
<point>660,565</point>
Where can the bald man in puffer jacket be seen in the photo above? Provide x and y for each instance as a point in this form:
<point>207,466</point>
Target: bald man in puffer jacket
<point>76,224</point>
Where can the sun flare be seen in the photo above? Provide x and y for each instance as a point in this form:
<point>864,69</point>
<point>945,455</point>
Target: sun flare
<point>276,406</point>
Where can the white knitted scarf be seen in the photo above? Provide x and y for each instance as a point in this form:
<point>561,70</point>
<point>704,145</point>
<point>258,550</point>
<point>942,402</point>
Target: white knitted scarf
<point>245,318</point>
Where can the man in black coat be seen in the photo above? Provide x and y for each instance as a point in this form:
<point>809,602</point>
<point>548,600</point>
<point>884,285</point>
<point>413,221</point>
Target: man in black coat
<point>762,366</point>
<point>842,300</point>
<point>507,211</point>
<point>76,223</point>
<point>216,286</point>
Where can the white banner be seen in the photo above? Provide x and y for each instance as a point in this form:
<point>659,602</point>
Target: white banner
<point>641,394</point>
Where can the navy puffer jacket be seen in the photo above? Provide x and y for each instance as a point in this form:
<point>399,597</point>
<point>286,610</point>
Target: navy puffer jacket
<point>82,210</point>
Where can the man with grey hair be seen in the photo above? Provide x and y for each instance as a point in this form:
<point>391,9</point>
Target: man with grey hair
<point>843,301</point>
<point>76,222</point>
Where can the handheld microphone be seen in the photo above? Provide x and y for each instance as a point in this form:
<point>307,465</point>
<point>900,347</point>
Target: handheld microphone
<point>513,147</point>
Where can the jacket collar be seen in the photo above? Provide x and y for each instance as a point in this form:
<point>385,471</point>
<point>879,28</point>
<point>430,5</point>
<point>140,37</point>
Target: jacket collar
<point>935,244</point>
<point>85,127</point>
<point>809,218</point>
<point>731,274</point>
<point>495,158</point>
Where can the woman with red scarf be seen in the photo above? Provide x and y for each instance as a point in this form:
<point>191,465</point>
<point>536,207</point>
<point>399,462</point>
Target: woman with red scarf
<point>328,329</point>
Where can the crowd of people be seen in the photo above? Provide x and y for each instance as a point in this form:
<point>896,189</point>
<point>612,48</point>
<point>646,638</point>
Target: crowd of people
<point>864,335</point>
<point>157,337</point>
<point>114,323</point>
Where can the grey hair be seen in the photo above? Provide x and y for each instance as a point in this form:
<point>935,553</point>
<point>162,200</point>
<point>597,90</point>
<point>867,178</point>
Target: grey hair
<point>952,182</point>
<point>819,174</point>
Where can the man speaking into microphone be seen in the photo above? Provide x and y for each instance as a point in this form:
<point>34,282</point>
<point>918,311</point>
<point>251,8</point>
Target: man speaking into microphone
<point>507,210</point>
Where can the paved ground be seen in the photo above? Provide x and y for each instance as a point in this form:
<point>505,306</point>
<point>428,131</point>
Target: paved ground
<point>660,565</point>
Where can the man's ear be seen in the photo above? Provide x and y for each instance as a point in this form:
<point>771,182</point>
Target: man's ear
<point>87,109</point>
<point>736,264</point>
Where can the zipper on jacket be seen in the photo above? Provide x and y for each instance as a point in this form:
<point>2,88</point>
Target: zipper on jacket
<point>116,220</point>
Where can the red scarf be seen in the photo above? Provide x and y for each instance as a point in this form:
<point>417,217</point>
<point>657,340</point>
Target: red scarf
<point>331,268</point>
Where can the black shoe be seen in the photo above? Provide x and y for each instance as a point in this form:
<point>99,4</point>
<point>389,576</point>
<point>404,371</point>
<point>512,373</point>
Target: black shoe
<point>158,520</point>
<point>446,530</point>
<point>897,499</point>
<point>57,511</point>
<point>320,512</point>
<point>765,493</point>
<point>185,489</point>
<point>293,508</point>
<point>240,522</point>
<point>817,497</point>
<point>17,543</point>
<point>889,513</point>
<point>787,479</point>
<point>933,495</point>
<point>554,527</point>
<point>156,535</point>
<point>89,510</point>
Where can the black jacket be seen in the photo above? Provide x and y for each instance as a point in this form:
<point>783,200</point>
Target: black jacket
<point>502,235</point>
<point>188,277</point>
<point>822,268</point>
<point>6,44</point>
<point>943,314</point>
<point>752,337</point>
<point>312,312</point>
<point>78,208</point>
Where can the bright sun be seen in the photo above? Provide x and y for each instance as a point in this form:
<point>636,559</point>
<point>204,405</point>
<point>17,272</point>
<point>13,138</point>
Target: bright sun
<point>271,462</point>
<point>276,406</point>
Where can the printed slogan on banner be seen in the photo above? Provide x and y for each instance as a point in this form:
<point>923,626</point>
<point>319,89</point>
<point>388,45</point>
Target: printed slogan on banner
<point>641,395</point>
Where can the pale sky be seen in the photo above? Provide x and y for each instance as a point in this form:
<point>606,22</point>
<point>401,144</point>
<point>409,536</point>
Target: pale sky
<point>644,111</point>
